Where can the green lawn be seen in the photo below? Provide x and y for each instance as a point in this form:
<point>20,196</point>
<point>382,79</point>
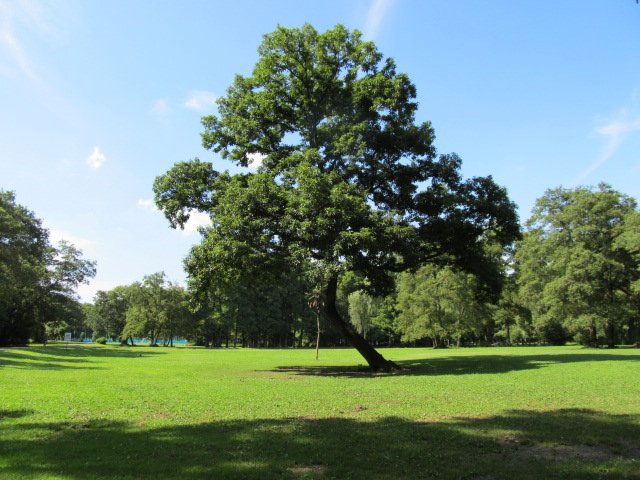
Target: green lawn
<point>94,412</point>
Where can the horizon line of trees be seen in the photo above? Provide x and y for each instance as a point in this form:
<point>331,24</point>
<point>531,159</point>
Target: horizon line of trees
<point>574,275</point>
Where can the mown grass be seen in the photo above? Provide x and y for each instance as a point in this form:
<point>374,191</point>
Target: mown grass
<point>86,412</point>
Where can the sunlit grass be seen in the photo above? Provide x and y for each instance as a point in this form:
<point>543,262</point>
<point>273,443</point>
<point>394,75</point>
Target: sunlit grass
<point>116,412</point>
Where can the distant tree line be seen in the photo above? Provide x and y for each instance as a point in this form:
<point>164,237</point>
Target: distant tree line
<point>154,309</point>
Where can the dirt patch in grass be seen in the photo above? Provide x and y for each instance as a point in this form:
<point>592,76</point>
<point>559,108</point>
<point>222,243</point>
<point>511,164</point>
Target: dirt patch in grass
<point>308,470</point>
<point>560,453</point>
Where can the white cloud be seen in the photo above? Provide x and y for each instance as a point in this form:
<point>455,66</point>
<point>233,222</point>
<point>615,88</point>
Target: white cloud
<point>82,243</point>
<point>147,204</point>
<point>255,160</point>
<point>196,220</point>
<point>616,130</point>
<point>88,291</point>
<point>200,100</point>
<point>96,159</point>
<point>376,13</point>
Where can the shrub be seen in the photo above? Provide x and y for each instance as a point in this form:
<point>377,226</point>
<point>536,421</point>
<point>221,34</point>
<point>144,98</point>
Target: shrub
<point>101,340</point>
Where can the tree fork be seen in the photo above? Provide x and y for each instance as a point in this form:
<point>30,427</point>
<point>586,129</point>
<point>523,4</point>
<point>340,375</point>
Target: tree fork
<point>376,361</point>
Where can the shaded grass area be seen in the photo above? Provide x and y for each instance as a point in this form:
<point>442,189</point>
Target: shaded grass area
<point>573,444</point>
<point>84,412</point>
<point>467,365</point>
<point>64,357</point>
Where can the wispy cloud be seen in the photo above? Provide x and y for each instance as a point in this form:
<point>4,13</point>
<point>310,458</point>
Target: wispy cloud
<point>56,235</point>
<point>615,129</point>
<point>26,25</point>
<point>375,15</point>
<point>147,204</point>
<point>96,159</point>
<point>200,100</point>
<point>12,13</point>
<point>30,18</point>
<point>86,292</point>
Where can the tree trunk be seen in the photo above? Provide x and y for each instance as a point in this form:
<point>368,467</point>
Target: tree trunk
<point>593,335</point>
<point>317,335</point>
<point>611,335</point>
<point>370,354</point>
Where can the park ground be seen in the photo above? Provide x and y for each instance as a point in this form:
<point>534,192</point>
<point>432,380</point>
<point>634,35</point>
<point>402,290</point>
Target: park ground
<point>102,412</point>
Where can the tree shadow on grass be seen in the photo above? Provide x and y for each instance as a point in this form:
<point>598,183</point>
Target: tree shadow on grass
<point>459,365</point>
<point>63,357</point>
<point>14,413</point>
<point>572,444</point>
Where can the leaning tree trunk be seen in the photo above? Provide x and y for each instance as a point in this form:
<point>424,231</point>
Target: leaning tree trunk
<point>370,354</point>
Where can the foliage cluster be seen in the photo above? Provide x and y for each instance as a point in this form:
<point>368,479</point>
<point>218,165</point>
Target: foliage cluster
<point>578,265</point>
<point>37,280</point>
<point>153,309</point>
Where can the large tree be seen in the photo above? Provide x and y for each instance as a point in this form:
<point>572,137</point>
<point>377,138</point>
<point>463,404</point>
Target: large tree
<point>573,271</point>
<point>348,181</point>
<point>24,249</point>
<point>38,281</point>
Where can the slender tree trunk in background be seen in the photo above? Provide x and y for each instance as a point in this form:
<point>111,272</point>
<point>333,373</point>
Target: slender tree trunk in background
<point>611,335</point>
<point>593,335</point>
<point>370,354</point>
<point>317,335</point>
<point>635,333</point>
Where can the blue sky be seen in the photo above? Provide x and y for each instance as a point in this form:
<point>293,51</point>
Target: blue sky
<point>98,98</point>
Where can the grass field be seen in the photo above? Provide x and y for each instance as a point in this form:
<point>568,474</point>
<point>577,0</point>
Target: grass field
<point>97,412</point>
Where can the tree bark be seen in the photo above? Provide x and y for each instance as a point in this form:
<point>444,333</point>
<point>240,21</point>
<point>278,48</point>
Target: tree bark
<point>593,335</point>
<point>611,336</point>
<point>317,335</point>
<point>376,361</point>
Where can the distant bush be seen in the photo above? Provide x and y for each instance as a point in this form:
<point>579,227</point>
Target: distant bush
<point>101,340</point>
<point>552,332</point>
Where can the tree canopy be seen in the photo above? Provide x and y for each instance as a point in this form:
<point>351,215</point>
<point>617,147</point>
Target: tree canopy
<point>577,264</point>
<point>348,181</point>
<point>37,280</point>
